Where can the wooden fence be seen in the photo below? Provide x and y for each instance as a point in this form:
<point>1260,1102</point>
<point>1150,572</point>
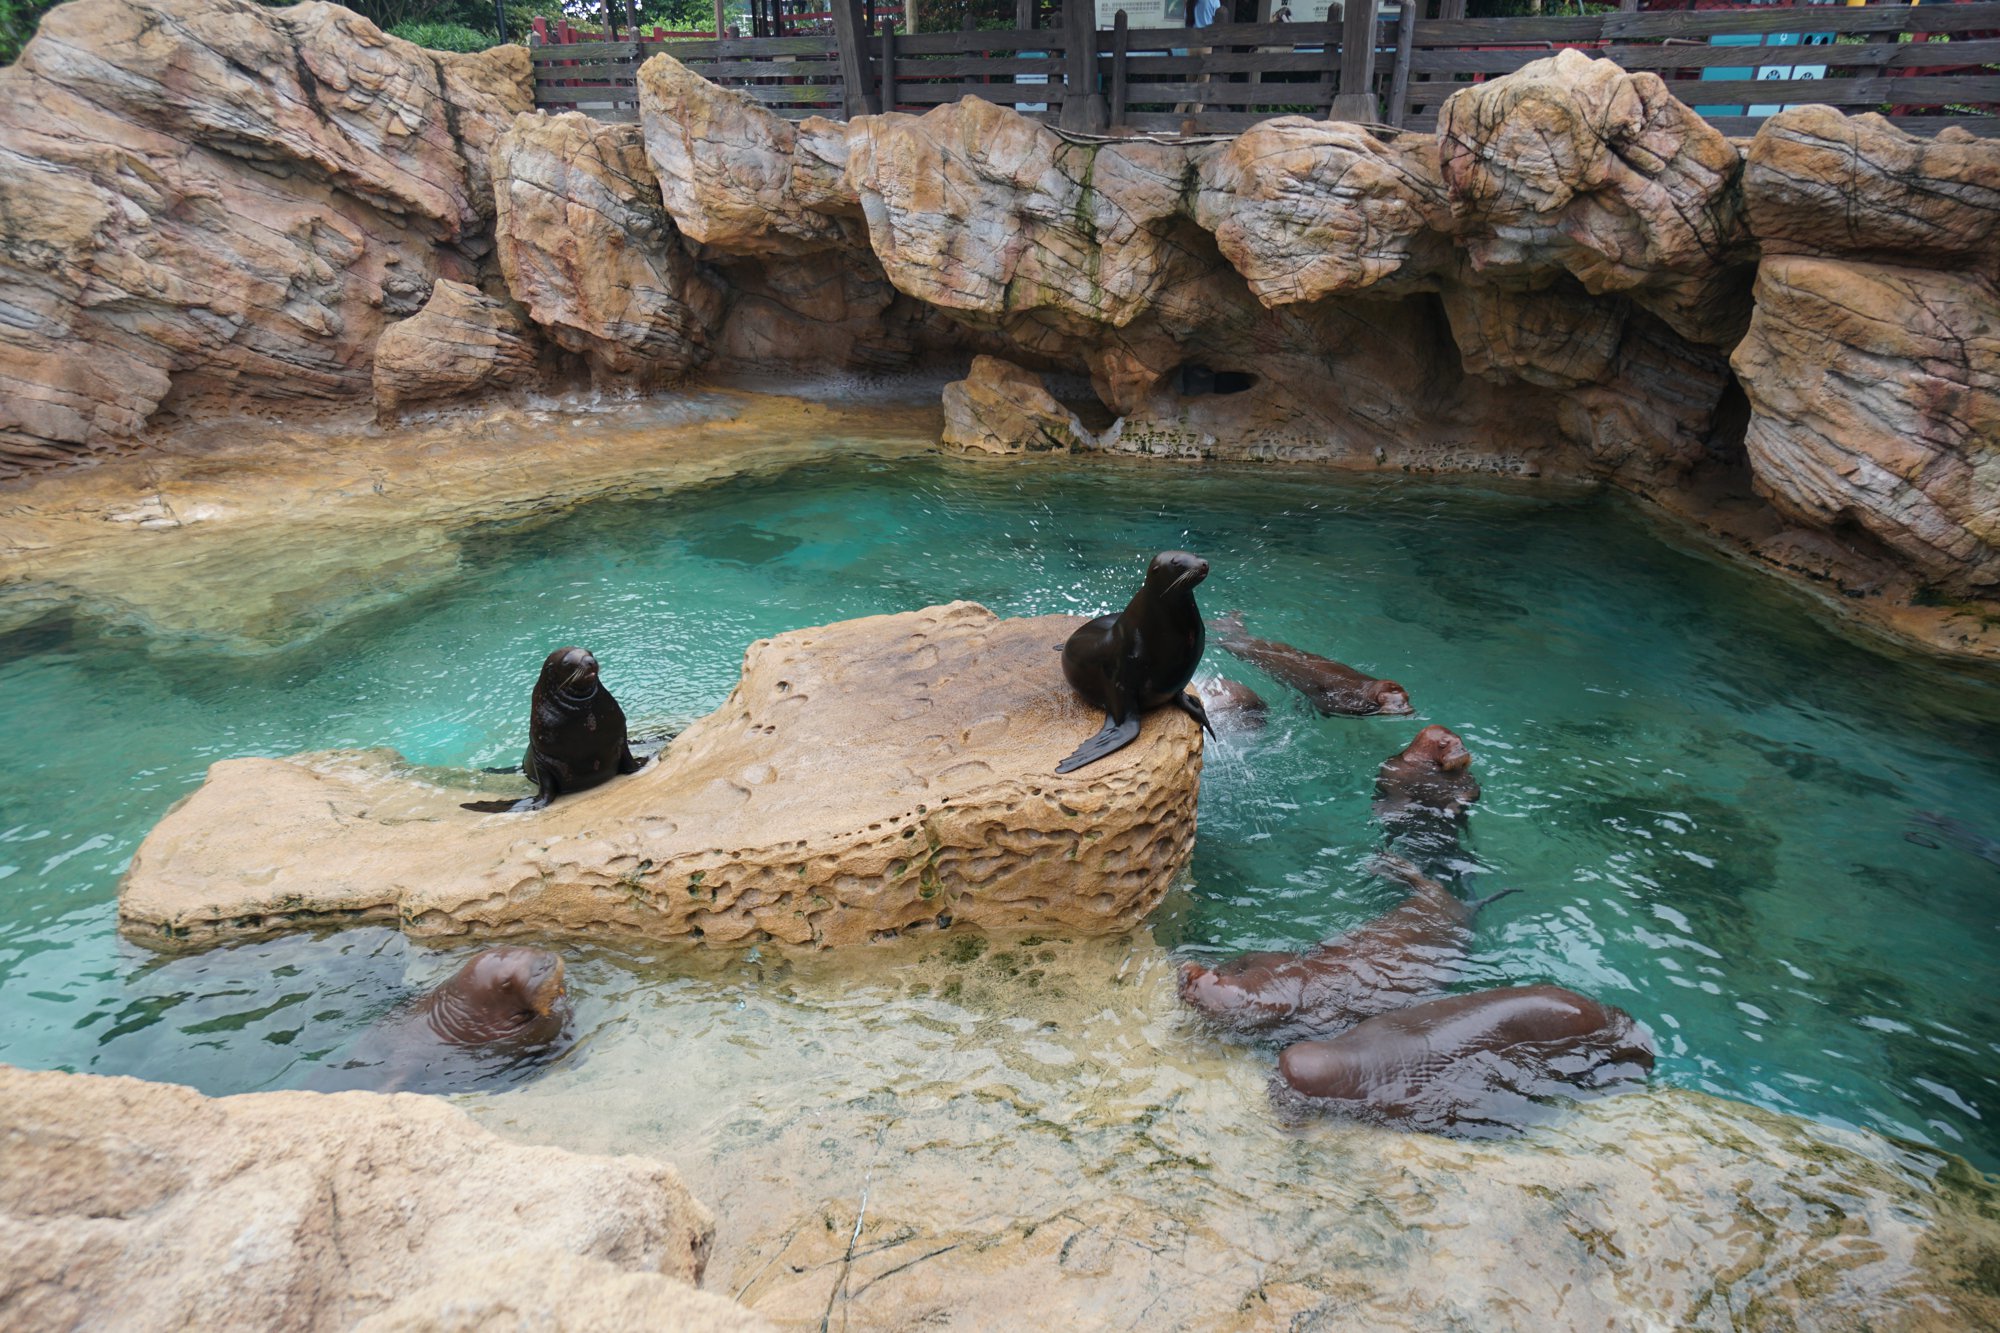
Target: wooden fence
<point>1923,65</point>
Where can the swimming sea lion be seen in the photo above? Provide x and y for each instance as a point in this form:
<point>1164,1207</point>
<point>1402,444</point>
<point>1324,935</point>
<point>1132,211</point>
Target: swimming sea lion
<point>1415,949</point>
<point>1331,687</point>
<point>1141,658</point>
<point>1466,1064</point>
<point>504,1008</point>
<point>1428,783</point>
<point>576,733</point>
<point>1229,703</point>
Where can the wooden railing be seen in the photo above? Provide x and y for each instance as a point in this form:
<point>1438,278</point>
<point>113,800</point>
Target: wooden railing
<point>1923,65</point>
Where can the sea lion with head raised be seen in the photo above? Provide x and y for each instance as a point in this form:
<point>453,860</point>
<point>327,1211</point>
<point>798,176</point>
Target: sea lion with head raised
<point>1141,658</point>
<point>1334,688</point>
<point>1428,785</point>
<point>1415,949</point>
<point>576,733</point>
<point>1466,1064</point>
<point>504,1008</point>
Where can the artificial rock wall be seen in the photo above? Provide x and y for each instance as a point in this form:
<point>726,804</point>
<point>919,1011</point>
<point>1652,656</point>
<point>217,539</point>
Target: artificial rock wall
<point>1791,340</point>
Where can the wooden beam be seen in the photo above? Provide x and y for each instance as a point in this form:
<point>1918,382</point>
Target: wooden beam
<point>1121,36</point>
<point>888,63</point>
<point>1356,98</point>
<point>856,96</point>
<point>1399,77</point>
<point>1083,110</point>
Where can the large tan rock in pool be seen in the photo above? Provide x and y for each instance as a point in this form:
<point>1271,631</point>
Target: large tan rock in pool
<point>143,1206</point>
<point>1001,408</point>
<point>863,778</point>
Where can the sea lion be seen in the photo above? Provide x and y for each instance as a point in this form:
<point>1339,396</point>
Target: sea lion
<point>1332,687</point>
<point>1465,1064</point>
<point>1428,783</point>
<point>1415,949</point>
<point>576,733</point>
<point>1230,704</point>
<point>1141,658</point>
<point>504,1008</point>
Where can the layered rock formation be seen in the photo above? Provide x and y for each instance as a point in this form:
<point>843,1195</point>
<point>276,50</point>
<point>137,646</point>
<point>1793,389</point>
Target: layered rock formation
<point>210,202</point>
<point>999,408</point>
<point>585,245</point>
<point>1872,362</point>
<point>940,731</point>
<point>1554,284</point>
<point>137,1206</point>
<point>462,342</point>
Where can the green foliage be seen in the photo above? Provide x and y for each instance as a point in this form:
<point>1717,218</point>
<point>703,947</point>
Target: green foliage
<point>445,36</point>
<point>17,24</point>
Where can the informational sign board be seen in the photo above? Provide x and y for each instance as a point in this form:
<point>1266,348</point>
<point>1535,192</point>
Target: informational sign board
<point>1143,13</point>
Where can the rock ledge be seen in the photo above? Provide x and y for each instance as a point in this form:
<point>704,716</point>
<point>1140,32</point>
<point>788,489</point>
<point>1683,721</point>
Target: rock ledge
<point>863,778</point>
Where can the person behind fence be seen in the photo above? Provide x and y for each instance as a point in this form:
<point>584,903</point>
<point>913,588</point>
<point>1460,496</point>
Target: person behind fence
<point>1206,14</point>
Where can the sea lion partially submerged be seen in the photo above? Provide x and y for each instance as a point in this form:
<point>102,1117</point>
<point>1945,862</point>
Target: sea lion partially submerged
<point>1141,658</point>
<point>1415,949</point>
<point>1231,705</point>
<point>505,1008</point>
<point>1426,785</point>
<point>1472,1065</point>
<point>1333,688</point>
<point>576,733</point>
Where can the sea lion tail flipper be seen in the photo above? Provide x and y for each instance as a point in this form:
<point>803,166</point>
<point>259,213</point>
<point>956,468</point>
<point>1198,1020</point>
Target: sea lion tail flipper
<point>1475,904</point>
<point>626,763</point>
<point>1111,737</point>
<point>1191,704</point>
<point>491,807</point>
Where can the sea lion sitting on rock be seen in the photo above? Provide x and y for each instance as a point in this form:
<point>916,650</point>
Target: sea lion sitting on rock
<point>1231,705</point>
<point>1334,688</point>
<point>1465,1064</point>
<point>1415,949</point>
<point>576,733</point>
<point>1425,788</point>
<point>504,1008</point>
<point>1141,658</point>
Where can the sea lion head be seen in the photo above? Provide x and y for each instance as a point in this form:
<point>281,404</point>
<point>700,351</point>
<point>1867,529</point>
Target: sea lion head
<point>1175,571</point>
<point>1389,697</point>
<point>512,988</point>
<point>570,672</point>
<point>1442,746</point>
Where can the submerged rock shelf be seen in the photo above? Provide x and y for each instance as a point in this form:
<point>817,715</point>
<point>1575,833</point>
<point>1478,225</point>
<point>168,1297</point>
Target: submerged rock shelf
<point>864,778</point>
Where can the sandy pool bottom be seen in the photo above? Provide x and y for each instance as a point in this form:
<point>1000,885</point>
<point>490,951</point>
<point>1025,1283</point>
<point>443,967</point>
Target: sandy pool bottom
<point>967,1132</point>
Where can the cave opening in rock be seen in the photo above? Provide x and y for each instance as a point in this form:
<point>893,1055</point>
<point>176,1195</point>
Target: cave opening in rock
<point>1193,379</point>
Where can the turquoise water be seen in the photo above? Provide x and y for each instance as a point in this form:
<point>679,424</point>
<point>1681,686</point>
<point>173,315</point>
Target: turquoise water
<point>1715,807</point>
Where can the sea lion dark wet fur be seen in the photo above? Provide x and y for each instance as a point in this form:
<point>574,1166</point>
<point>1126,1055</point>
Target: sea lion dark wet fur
<point>1231,705</point>
<point>576,733</point>
<point>1413,950</point>
<point>1141,658</point>
<point>1427,784</point>
<point>1472,1065</point>
<point>504,1008</point>
<point>1333,688</point>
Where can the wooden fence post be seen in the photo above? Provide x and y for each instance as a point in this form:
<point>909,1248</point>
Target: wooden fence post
<point>1121,41</point>
<point>1399,77</point>
<point>856,97</point>
<point>888,63</point>
<point>1356,98</point>
<point>718,20</point>
<point>1083,106</point>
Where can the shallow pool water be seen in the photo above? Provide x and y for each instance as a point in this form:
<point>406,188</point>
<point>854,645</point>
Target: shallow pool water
<point>1773,845</point>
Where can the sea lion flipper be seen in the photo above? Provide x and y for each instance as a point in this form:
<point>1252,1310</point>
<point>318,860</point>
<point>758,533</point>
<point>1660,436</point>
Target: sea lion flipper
<point>1113,736</point>
<point>1193,707</point>
<point>626,763</point>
